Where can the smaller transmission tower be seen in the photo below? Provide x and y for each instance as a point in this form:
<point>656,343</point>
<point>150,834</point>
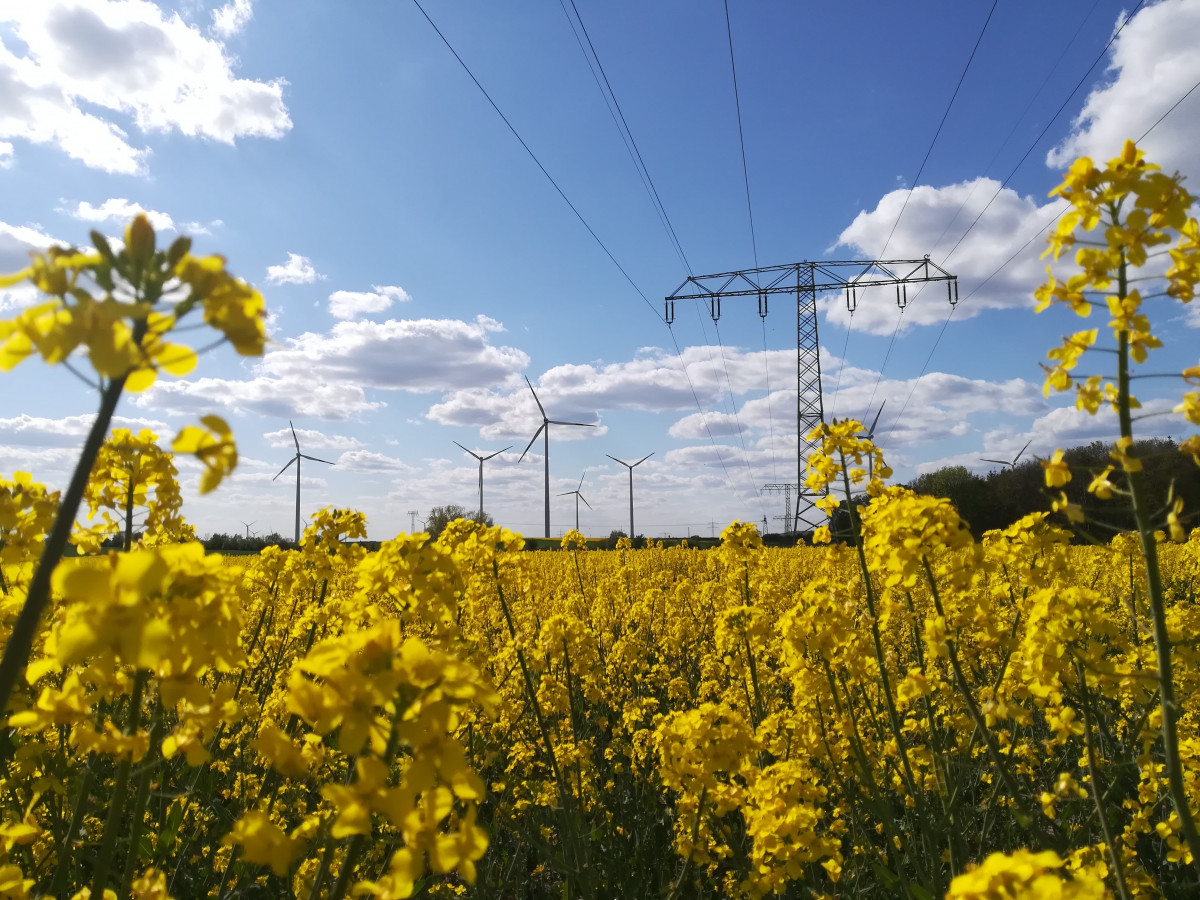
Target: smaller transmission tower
<point>787,501</point>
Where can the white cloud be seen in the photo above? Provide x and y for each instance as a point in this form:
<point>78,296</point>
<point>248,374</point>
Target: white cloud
<point>1062,427</point>
<point>312,440</point>
<point>69,431</point>
<point>1153,64</point>
<point>324,376</point>
<point>84,65</point>
<point>273,397</point>
<point>17,242</point>
<point>369,462</point>
<point>351,304</point>
<point>231,18</point>
<point>653,381</point>
<point>934,220</point>
<point>121,211</point>
<point>297,270</point>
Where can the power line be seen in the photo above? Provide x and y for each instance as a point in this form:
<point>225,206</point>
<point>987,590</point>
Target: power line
<point>754,248</point>
<point>1045,129</point>
<point>624,130</point>
<point>578,215</point>
<point>656,201</point>
<point>538,162</point>
<point>912,187</point>
<point>1041,229</point>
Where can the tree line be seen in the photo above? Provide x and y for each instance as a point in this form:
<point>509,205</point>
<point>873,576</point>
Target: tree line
<point>1001,497</point>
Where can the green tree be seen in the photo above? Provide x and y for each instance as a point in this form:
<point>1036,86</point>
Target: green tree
<point>441,516</point>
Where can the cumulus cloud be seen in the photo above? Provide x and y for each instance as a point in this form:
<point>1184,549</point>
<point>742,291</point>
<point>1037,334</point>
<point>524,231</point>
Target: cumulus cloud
<point>16,243</point>
<point>263,396</point>
<point>351,304</point>
<point>119,210</point>
<point>369,462</point>
<point>653,381</point>
<point>938,219</point>
<point>79,62</point>
<point>326,375</point>
<point>1061,427</point>
<point>1153,64</point>
<point>231,18</point>
<point>312,440</point>
<point>69,431</point>
<point>297,270</point>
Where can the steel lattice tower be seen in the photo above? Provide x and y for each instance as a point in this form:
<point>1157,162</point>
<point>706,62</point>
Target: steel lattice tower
<point>806,280</point>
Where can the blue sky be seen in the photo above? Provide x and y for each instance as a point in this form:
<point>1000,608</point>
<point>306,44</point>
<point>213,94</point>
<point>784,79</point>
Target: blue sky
<point>418,265</point>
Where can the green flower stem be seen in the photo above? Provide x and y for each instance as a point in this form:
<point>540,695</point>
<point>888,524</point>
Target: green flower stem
<point>1114,852</point>
<point>989,739</point>
<point>20,642</point>
<point>1158,612</point>
<point>59,882</point>
<point>137,823</point>
<point>116,809</point>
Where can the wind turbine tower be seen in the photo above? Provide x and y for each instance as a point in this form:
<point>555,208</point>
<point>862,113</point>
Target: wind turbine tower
<point>544,428</point>
<point>630,467</point>
<point>481,461</point>
<point>296,459</point>
<point>578,497</point>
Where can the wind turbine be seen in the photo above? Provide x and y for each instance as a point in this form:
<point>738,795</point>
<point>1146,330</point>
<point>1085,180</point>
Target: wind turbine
<point>630,467</point>
<point>296,459</point>
<point>870,436</point>
<point>545,427</point>
<point>248,524</point>
<point>481,459</point>
<point>578,497</point>
<point>1004,462</point>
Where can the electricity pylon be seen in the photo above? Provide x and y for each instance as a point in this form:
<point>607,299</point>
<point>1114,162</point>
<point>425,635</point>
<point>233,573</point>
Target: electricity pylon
<point>630,467</point>
<point>806,280</point>
<point>787,500</point>
<point>296,459</point>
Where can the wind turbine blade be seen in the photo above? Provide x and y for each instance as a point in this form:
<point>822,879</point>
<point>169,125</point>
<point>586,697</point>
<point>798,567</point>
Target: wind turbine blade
<point>472,452</point>
<point>999,462</point>
<point>294,438</point>
<point>531,440</point>
<point>643,459</point>
<point>614,459</point>
<point>581,477</point>
<point>1023,449</point>
<point>314,459</point>
<point>583,424</point>
<point>566,493</point>
<point>535,397</point>
<point>497,453</point>
<point>875,421</point>
<point>288,466</point>
<point>584,499</point>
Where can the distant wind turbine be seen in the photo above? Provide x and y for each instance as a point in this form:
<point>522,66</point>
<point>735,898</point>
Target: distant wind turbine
<point>545,427</point>
<point>296,459</point>
<point>1012,464</point>
<point>248,524</point>
<point>578,497</point>
<point>481,460</point>
<point>630,467</point>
